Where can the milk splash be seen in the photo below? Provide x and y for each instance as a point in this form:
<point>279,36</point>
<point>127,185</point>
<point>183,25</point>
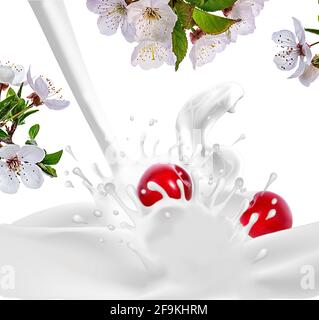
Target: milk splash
<point>116,248</point>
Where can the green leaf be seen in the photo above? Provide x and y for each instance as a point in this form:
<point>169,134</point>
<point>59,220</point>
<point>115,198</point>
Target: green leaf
<point>315,31</point>
<point>184,13</point>
<point>19,94</point>
<point>31,142</point>
<point>25,115</point>
<point>48,170</point>
<point>216,5</point>
<point>3,134</point>
<point>33,132</point>
<point>52,158</point>
<point>20,105</point>
<point>6,106</point>
<point>210,23</point>
<point>180,43</point>
<point>11,92</point>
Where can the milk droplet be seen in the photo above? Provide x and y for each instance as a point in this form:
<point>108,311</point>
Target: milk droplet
<point>271,180</point>
<point>242,137</point>
<point>98,213</point>
<point>109,187</point>
<point>111,227</point>
<point>239,183</point>
<point>271,214</point>
<point>78,219</point>
<point>274,201</point>
<point>69,150</point>
<point>115,212</point>
<point>66,173</point>
<point>69,184</point>
<point>78,172</point>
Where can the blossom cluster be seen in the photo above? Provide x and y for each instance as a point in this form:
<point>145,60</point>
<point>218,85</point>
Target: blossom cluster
<point>160,27</point>
<point>27,163</point>
<point>296,53</point>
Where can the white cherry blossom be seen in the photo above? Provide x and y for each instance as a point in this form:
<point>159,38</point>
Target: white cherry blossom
<point>112,15</point>
<point>152,54</point>
<point>205,49</point>
<point>294,50</point>
<point>20,163</point>
<point>45,93</point>
<point>11,74</point>
<point>153,19</point>
<point>246,11</point>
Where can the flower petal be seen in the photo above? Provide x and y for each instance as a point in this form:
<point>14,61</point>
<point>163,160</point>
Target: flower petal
<point>101,6</point>
<point>31,175</point>
<point>307,52</point>
<point>149,54</point>
<point>156,26</point>
<point>300,31</point>
<point>41,88</point>
<point>242,9</point>
<point>310,75</point>
<point>30,79</point>
<point>285,39</point>
<point>300,70</point>
<point>286,60</point>
<point>109,22</point>
<point>9,151</point>
<point>32,154</point>
<point>19,75</point>
<point>205,49</point>
<point>6,74</point>
<point>128,31</point>
<point>9,182</point>
<point>243,28</point>
<point>56,104</point>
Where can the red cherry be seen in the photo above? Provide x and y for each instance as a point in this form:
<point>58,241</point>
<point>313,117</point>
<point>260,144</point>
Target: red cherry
<point>274,214</point>
<point>166,176</point>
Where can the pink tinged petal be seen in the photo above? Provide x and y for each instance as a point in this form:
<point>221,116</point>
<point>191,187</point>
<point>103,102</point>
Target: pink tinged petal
<point>307,52</point>
<point>285,39</point>
<point>19,75</point>
<point>56,104</point>
<point>109,22</point>
<point>31,175</point>
<point>41,88</point>
<point>204,52</point>
<point>309,76</point>
<point>300,31</point>
<point>30,79</point>
<point>154,29</point>
<point>128,31</point>
<point>244,27</point>
<point>6,74</point>
<point>300,70</point>
<point>286,60</point>
<point>9,182</point>
<point>9,151</point>
<point>96,6</point>
<point>150,55</point>
<point>32,154</point>
<point>241,10</point>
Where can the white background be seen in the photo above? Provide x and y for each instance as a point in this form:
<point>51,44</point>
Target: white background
<point>279,117</point>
